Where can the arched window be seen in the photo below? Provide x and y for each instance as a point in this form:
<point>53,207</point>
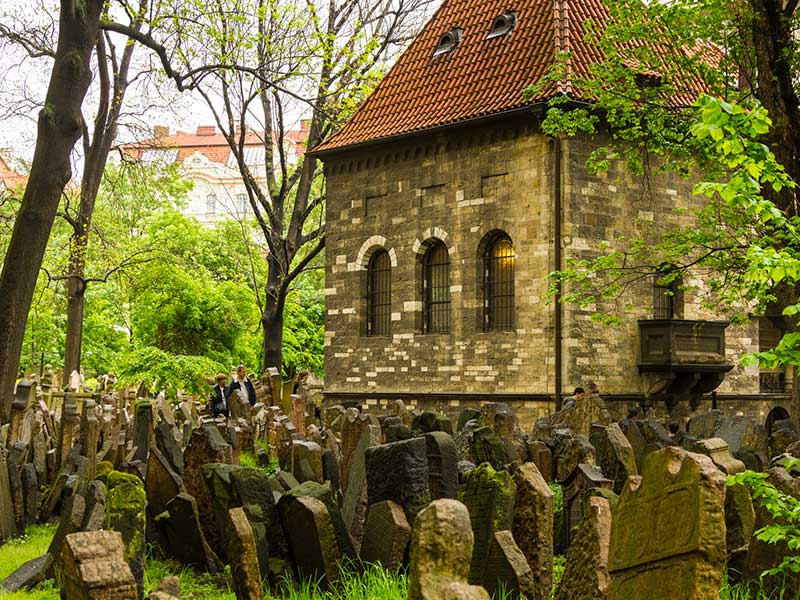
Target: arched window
<point>436,289</point>
<point>211,204</point>
<point>667,297</point>
<point>379,294</point>
<point>498,300</point>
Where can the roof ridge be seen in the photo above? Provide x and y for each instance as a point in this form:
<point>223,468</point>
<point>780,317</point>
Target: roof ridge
<point>563,43</point>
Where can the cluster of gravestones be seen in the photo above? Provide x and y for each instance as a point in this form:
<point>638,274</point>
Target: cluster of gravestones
<point>465,505</point>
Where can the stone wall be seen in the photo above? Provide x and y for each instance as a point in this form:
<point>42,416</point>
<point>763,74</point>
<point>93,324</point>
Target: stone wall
<point>457,186</point>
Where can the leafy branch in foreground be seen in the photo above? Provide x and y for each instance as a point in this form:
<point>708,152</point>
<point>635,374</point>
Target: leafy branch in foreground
<point>785,512</point>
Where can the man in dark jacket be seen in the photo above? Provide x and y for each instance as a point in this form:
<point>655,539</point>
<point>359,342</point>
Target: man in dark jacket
<point>219,397</point>
<point>243,384</point>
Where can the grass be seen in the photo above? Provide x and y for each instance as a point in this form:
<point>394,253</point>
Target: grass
<point>373,583</point>
<point>19,551</point>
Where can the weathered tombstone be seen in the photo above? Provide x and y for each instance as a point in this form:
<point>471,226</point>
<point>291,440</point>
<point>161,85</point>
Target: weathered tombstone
<point>312,538</point>
<point>630,428</point>
<point>613,454</point>
<point>144,429</point>
<point>441,548</point>
<point>244,559</point>
<point>93,567</point>
<point>668,532</point>
<point>66,432</point>
<point>386,535</point>
<point>586,572</point>
<point>162,484</point>
<point>25,390</point>
<point>29,574</point>
<point>306,461</point>
<point>324,494</point>
<point>532,526</point>
<point>7,524</point>
<point>507,568</point>
<point>15,488</point>
<point>717,450</point>
<point>579,418</point>
<point>466,415</point>
<point>89,436</point>
<point>487,446</point>
<point>205,446</point>
<point>30,492</point>
<point>169,446</point>
<point>254,492</point>
<point>298,412</point>
<point>442,465</point>
<point>583,479</point>
<point>71,521</point>
<point>353,427</point>
<point>399,472</point>
<point>354,505</point>
<point>489,497</point>
<point>94,516</point>
<point>541,455</point>
<point>184,535</point>
<point>125,513</point>
<point>570,450</point>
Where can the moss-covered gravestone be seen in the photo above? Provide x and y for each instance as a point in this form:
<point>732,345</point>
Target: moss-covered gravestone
<point>125,512</point>
<point>489,496</point>
<point>441,547</point>
<point>668,532</point>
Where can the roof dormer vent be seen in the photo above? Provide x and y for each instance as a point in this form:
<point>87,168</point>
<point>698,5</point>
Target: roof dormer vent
<point>448,42</point>
<point>503,25</point>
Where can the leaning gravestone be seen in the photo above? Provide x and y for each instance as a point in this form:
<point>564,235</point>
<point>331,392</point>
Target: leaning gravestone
<point>185,540</point>
<point>532,526</point>
<point>668,533</point>
<point>399,472</point>
<point>489,498</point>
<point>585,575</point>
<point>312,538</point>
<point>386,535</point>
<point>441,547</point>
<point>506,568</point>
<point>613,454</point>
<point>7,525</point>
<point>244,560</point>
<point>442,465</point>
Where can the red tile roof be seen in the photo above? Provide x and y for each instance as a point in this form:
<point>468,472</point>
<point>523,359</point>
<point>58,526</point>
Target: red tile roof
<point>481,76</point>
<point>9,178</point>
<point>209,142</point>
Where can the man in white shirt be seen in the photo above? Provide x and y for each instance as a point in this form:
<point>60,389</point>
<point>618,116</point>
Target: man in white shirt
<point>243,384</point>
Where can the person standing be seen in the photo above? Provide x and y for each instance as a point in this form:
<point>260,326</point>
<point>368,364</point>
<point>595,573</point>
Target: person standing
<point>219,397</point>
<point>242,383</point>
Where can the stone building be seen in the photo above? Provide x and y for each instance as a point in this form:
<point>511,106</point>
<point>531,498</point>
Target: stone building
<point>448,207</point>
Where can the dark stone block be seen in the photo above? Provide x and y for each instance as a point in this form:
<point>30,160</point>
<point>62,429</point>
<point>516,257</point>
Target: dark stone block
<point>399,472</point>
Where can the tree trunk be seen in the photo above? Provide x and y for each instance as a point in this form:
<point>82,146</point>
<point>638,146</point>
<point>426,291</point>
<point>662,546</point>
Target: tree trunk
<point>59,127</point>
<point>272,319</point>
<point>76,296</point>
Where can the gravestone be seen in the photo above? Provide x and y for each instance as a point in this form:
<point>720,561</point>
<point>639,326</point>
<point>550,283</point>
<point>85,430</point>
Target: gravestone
<point>186,542</point>
<point>125,512</point>
<point>586,570</point>
<point>569,451</point>
<point>244,559</point>
<point>307,461</point>
<point>613,454</point>
<point>354,505</point>
<point>353,426</point>
<point>442,465</point>
<point>668,532</point>
<point>93,567</point>
<point>579,418</point>
<point>386,535</point>
<point>441,548</point>
<point>532,526</point>
<point>7,525</point>
<point>169,447</point>
<point>143,429</point>
<point>583,480</point>
<point>312,538</point>
<point>162,483</point>
<point>487,446</point>
<point>253,489</point>
<point>630,428</point>
<point>506,568</point>
<point>205,446</point>
<point>399,472</point>
<point>29,574</point>
<point>66,432</point>
<point>30,492</point>
<point>489,498</point>
<point>717,450</point>
<point>540,454</point>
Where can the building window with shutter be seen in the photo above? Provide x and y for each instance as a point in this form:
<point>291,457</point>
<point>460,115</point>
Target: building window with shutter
<point>436,289</point>
<point>379,294</point>
<point>498,300</point>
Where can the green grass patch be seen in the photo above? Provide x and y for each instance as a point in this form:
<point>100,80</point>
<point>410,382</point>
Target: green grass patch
<point>17,552</point>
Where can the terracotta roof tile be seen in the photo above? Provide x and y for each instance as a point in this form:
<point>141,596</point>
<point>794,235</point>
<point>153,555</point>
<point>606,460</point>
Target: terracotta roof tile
<point>10,178</point>
<point>481,76</point>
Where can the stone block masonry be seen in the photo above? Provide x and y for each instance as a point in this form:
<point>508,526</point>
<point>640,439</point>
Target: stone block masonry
<point>457,187</point>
